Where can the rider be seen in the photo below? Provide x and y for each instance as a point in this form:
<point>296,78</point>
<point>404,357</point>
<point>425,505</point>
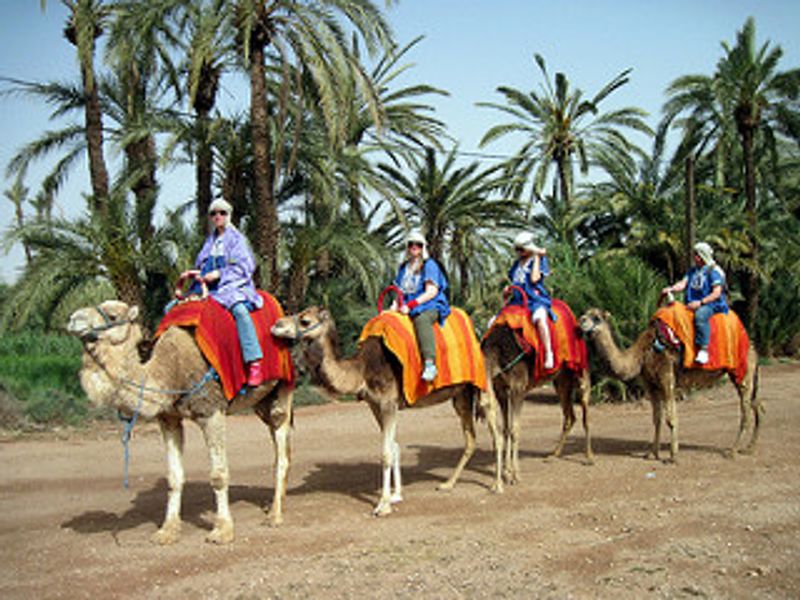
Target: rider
<point>423,284</point>
<point>705,295</point>
<point>528,272</point>
<point>226,264</point>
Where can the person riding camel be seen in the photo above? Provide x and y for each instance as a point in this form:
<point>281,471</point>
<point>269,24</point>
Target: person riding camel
<point>423,284</point>
<point>705,295</point>
<point>226,264</point>
<point>528,272</point>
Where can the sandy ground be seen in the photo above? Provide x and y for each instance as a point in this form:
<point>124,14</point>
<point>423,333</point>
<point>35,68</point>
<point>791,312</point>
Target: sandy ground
<point>709,527</point>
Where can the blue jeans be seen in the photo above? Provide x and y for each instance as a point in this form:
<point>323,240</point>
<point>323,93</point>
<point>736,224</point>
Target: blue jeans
<point>702,330</point>
<point>248,339</point>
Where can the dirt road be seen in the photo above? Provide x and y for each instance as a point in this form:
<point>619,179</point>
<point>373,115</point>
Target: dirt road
<point>623,528</point>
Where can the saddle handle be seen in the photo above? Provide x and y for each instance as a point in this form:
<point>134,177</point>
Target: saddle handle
<point>507,294</point>
<point>194,276</point>
<point>390,288</point>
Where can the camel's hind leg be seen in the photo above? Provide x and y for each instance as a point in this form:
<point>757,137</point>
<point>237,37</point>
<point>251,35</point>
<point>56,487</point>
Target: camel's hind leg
<point>172,432</point>
<point>657,408</point>
<point>566,383</point>
<point>276,412</point>
<point>214,431</point>
<point>462,402</point>
<point>748,395</point>
<point>516,397</point>
<point>488,404</point>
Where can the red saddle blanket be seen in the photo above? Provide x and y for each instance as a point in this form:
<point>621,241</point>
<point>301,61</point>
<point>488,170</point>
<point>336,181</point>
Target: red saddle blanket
<point>215,333</point>
<point>569,348</point>
<point>458,355</point>
<point>728,345</point>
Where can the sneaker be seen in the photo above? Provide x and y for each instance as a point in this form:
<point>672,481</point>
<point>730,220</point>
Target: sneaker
<point>429,373</point>
<point>254,375</point>
<point>702,357</point>
<point>549,361</point>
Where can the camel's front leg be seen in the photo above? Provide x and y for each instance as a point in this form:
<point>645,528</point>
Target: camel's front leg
<point>516,398</point>
<point>278,417</point>
<point>564,391</point>
<point>172,432</point>
<point>657,407</point>
<point>462,404</point>
<point>214,431</point>
<point>390,460</point>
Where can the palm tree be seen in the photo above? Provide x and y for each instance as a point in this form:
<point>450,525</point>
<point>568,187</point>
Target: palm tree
<point>459,209</point>
<point>307,35</point>
<point>18,195</point>
<point>560,127</point>
<point>749,99</point>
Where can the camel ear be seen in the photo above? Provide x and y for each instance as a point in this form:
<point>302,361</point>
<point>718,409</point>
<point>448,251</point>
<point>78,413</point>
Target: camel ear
<point>133,313</point>
<point>606,315</point>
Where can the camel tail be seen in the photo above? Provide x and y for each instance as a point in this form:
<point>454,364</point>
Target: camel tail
<point>754,391</point>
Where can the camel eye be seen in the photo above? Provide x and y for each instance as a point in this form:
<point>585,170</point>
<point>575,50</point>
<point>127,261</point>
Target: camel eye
<point>305,321</point>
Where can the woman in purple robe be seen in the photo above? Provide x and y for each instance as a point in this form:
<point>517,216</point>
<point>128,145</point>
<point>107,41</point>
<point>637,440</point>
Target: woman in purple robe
<point>226,264</point>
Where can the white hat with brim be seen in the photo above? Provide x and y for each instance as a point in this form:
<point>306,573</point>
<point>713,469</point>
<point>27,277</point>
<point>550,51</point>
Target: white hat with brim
<point>705,252</point>
<point>527,242</point>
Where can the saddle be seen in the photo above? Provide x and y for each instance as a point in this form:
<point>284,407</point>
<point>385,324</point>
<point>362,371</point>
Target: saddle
<point>569,348</point>
<point>458,355</point>
<point>216,336</point>
<point>728,345</point>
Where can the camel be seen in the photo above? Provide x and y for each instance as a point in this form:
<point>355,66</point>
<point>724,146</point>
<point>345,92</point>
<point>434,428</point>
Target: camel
<point>169,387</point>
<point>512,378</point>
<point>375,376</point>
<point>663,372</point>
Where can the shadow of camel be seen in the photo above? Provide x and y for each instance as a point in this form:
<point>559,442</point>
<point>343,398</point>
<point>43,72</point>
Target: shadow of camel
<point>149,506</point>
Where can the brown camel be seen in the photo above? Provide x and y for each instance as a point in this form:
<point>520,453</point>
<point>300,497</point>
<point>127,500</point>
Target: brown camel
<point>512,378</point>
<point>375,376</point>
<point>169,387</point>
<point>663,372</point>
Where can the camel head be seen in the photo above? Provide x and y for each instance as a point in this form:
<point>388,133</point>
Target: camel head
<point>110,322</point>
<point>592,320</point>
<point>308,325</point>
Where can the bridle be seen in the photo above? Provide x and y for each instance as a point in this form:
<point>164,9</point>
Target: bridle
<point>301,332</point>
<point>108,323</point>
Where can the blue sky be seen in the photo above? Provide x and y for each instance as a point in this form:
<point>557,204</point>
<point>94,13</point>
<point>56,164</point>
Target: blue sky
<point>470,48</point>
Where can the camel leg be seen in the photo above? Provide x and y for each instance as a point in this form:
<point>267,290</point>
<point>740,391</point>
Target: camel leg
<point>387,415</point>
<point>278,417</point>
<point>585,390</point>
<point>748,415</point>
<point>172,432</point>
<point>463,405</point>
<point>564,389</point>
<point>513,426</point>
<point>488,403</point>
<point>501,398</point>
<point>672,418</point>
<point>657,406</point>
<point>213,429</point>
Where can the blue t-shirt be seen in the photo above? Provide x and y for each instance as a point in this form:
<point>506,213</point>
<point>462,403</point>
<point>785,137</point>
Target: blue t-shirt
<point>701,281</point>
<point>413,284</point>
<point>520,275</point>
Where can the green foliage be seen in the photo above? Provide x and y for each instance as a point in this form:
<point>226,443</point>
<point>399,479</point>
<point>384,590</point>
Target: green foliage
<point>40,374</point>
<point>779,314</point>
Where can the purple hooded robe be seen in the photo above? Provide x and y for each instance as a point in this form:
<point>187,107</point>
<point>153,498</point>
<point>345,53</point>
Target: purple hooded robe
<point>236,265</point>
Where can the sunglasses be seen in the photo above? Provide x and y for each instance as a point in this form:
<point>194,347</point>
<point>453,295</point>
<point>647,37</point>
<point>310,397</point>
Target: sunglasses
<point>214,213</point>
<point>415,244</point>
<point>519,249</point>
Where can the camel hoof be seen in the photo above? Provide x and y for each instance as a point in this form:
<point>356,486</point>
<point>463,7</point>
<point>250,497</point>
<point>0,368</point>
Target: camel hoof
<point>396,498</point>
<point>169,533</point>
<point>383,509</point>
<point>221,534</point>
<point>748,450</point>
<point>589,461</point>
<point>274,519</point>
<point>446,486</point>
<point>497,487</point>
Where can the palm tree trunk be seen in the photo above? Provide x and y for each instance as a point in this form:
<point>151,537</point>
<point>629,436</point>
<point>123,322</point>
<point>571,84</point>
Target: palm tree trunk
<point>752,288</point>
<point>203,171</point>
<point>690,212</point>
<point>267,213</point>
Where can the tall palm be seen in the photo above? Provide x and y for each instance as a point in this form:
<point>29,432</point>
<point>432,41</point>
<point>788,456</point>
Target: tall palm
<point>749,96</point>
<point>459,208</point>
<point>561,128</point>
<point>300,33</point>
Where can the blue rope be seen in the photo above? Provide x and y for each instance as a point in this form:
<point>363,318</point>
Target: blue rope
<point>128,430</point>
<point>131,422</point>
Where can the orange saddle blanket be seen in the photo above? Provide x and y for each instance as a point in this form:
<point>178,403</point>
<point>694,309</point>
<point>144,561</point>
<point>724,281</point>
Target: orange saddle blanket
<point>215,333</point>
<point>728,345</point>
<point>569,348</point>
<point>458,355</point>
